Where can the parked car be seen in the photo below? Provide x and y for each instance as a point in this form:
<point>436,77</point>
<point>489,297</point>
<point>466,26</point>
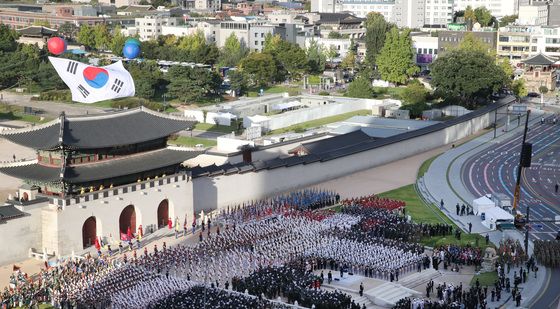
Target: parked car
<point>533,95</point>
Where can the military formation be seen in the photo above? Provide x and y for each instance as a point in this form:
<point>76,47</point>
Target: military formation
<point>547,252</point>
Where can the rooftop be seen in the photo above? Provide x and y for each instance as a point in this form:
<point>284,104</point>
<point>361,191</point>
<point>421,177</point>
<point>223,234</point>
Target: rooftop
<point>99,131</point>
<point>37,31</point>
<point>539,59</point>
<point>129,165</point>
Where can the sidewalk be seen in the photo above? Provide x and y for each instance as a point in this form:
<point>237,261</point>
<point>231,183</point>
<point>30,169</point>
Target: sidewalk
<point>443,181</point>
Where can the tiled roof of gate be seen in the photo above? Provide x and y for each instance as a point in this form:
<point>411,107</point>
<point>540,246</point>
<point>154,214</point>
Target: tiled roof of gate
<point>99,131</point>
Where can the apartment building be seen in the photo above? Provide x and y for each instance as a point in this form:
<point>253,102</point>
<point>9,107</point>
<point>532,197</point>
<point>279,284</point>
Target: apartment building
<point>517,42</point>
<point>208,5</point>
<point>361,8</point>
<point>150,27</point>
<point>409,13</point>
<point>548,41</point>
<point>438,13</point>
<point>534,15</point>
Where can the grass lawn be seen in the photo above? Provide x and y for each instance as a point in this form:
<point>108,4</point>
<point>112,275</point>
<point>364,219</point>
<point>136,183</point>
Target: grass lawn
<point>485,279</point>
<point>422,213</point>
<point>393,92</point>
<point>214,128</point>
<point>425,166</point>
<point>13,112</point>
<point>192,141</point>
<point>320,122</point>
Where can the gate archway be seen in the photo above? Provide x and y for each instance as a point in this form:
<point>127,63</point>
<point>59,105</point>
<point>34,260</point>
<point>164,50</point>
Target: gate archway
<point>127,219</point>
<point>163,213</point>
<point>89,232</point>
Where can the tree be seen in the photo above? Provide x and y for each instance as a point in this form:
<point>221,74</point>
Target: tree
<point>86,36</point>
<point>42,22</point>
<point>259,68</point>
<point>483,16</point>
<point>472,43</point>
<point>506,66</point>
<point>414,93</point>
<point>519,89</point>
<point>349,62</point>
<point>192,84</point>
<point>376,30</point>
<point>470,17</point>
<point>68,30</point>
<point>360,88</point>
<point>506,20</point>
<point>237,81</point>
<point>469,76</point>
<point>307,6</point>
<point>395,61</point>
<point>147,78</point>
<point>543,89</point>
<point>117,42</point>
<point>315,58</point>
<point>8,39</point>
<point>102,36</point>
<point>192,43</point>
<point>335,35</point>
<point>232,52</point>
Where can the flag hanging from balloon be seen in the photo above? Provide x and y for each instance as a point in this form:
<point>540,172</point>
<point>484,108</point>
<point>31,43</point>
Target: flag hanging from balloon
<point>90,84</point>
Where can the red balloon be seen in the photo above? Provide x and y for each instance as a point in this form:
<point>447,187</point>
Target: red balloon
<point>56,45</point>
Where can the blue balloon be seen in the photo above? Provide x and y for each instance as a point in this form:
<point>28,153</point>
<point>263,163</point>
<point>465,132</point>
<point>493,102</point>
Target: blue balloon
<point>131,50</point>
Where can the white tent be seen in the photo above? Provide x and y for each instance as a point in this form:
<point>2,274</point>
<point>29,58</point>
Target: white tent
<point>481,204</point>
<point>496,215</point>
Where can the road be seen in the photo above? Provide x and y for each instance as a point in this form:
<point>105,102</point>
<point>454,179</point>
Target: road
<point>494,170</point>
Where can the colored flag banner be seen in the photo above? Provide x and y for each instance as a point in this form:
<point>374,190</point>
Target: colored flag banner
<point>90,84</point>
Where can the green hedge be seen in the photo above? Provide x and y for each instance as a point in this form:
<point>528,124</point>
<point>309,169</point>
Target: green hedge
<point>54,95</point>
<point>136,102</point>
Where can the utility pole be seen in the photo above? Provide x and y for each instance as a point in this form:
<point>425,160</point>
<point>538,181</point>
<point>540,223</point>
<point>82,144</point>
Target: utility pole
<point>495,121</point>
<point>524,161</point>
<point>517,191</point>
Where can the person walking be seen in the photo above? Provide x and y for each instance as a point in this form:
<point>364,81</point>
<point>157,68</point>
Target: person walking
<point>470,227</point>
<point>556,188</point>
<point>487,238</point>
<point>441,204</point>
<point>361,289</point>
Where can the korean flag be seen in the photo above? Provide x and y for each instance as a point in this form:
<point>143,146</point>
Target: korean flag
<point>90,84</point>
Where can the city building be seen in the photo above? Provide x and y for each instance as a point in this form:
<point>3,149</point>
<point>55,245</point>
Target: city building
<point>324,6</point>
<point>539,71</point>
<point>120,3</point>
<point>208,5</point>
<point>409,13</point>
<point>517,42</point>
<point>548,43</point>
<point>438,13</point>
<point>18,19</point>
<point>554,14</point>
<point>498,8</point>
<point>534,15</point>
<point>150,27</point>
<point>341,46</point>
<point>449,39</point>
<point>426,49</point>
<point>361,8</point>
